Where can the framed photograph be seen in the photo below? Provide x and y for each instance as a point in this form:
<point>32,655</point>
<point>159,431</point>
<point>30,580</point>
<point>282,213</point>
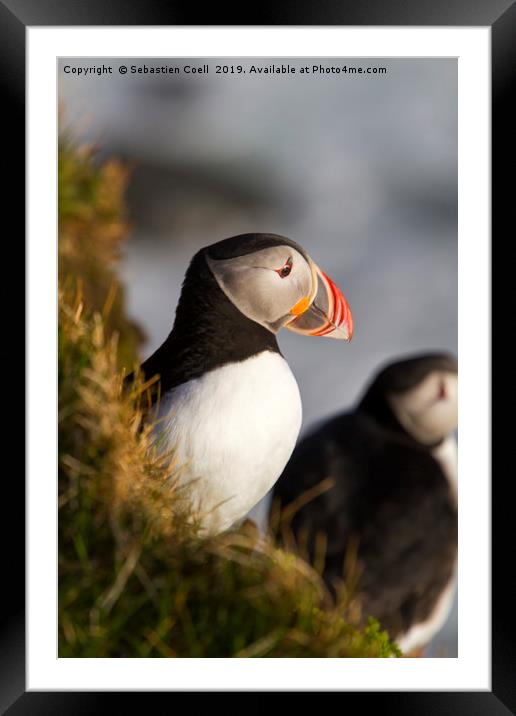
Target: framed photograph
<point>353,142</point>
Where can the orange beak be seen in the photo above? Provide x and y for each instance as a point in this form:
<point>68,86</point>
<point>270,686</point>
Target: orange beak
<point>325,313</point>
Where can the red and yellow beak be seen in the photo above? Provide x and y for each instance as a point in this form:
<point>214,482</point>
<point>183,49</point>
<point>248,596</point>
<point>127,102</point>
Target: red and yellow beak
<point>325,312</point>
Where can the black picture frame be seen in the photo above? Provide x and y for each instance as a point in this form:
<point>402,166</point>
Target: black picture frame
<point>500,15</point>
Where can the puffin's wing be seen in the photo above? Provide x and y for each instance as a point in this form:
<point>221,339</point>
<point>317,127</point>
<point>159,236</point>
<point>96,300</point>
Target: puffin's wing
<point>408,537</point>
<point>319,458</point>
<point>391,502</point>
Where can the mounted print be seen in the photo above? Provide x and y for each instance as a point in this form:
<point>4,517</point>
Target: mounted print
<point>258,369</point>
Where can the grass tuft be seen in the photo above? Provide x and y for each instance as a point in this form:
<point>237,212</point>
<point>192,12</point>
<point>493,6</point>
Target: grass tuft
<point>93,226</point>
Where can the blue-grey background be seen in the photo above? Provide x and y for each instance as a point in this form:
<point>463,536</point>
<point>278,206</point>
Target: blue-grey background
<point>359,169</point>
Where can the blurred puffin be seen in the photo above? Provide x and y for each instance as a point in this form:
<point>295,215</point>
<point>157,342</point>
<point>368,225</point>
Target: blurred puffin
<point>229,404</point>
<point>393,501</point>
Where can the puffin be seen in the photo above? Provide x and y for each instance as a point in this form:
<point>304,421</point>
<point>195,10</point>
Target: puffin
<point>386,474</point>
<point>228,406</point>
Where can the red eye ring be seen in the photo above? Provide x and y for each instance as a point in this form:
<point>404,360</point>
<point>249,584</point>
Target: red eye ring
<point>285,270</point>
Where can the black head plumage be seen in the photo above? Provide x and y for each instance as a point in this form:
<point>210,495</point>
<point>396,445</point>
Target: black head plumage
<point>209,331</point>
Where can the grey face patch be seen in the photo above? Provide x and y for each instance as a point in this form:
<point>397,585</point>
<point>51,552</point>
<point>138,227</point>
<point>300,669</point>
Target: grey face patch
<point>254,284</point>
<point>429,410</point>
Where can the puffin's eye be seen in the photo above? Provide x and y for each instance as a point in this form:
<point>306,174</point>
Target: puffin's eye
<point>286,269</point>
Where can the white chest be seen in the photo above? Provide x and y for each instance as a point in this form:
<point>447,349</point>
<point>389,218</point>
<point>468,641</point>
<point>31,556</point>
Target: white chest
<point>234,430</point>
<point>446,456</point>
<point>421,634</point>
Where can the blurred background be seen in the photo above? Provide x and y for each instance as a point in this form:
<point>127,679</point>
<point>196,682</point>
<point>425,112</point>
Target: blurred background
<point>361,170</point>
